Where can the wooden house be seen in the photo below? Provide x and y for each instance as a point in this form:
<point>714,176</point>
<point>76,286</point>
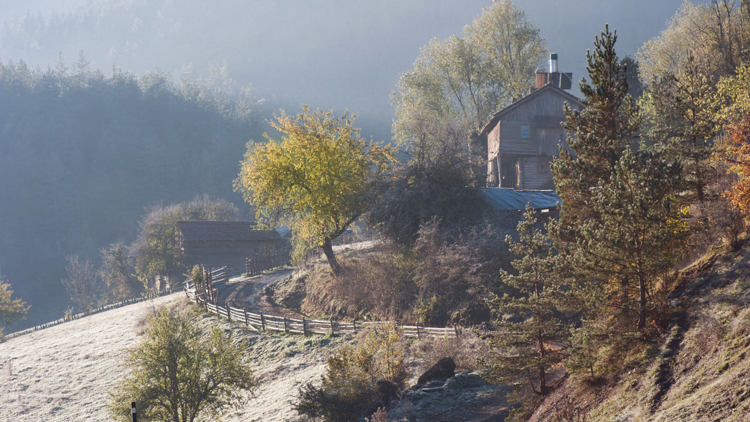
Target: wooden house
<point>523,137</point>
<point>223,243</point>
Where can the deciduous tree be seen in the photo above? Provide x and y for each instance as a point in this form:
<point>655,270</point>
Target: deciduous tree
<point>320,177</point>
<point>11,310</point>
<point>178,375</point>
<point>118,274</point>
<point>81,283</point>
<point>463,80</point>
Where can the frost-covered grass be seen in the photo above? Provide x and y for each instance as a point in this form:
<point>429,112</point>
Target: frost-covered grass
<point>63,373</point>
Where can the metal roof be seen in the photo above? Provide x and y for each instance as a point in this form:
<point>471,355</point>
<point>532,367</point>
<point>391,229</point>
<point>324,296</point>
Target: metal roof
<point>237,231</point>
<point>507,199</point>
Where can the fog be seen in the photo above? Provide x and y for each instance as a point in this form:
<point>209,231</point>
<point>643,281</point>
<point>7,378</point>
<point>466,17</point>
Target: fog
<point>329,54</point>
<point>80,161</point>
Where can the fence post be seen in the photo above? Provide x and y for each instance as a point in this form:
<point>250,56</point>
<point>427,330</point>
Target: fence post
<point>246,320</point>
<point>132,412</point>
<point>354,324</point>
<point>229,312</point>
<point>286,328</point>
<point>262,321</point>
<point>304,327</point>
<point>331,320</point>
<point>455,327</point>
<point>417,331</point>
<point>247,266</point>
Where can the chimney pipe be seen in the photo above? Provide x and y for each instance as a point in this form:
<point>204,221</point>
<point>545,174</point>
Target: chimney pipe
<point>553,63</point>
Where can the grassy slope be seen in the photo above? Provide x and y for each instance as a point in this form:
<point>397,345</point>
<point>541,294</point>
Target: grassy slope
<point>63,373</point>
<point>700,371</point>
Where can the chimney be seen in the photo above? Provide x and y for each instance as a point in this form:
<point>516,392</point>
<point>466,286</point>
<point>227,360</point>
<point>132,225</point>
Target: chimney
<point>553,76</point>
<point>553,63</point>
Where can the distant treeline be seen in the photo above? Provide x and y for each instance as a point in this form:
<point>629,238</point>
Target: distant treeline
<point>82,154</point>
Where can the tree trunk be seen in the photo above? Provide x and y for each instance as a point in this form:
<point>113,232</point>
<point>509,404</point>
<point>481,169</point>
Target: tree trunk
<point>642,305</point>
<point>328,251</point>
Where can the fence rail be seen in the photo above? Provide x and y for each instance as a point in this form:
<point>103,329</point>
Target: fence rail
<point>264,322</point>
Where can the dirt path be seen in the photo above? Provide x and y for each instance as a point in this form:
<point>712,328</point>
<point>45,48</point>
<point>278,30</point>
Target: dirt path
<point>240,292</point>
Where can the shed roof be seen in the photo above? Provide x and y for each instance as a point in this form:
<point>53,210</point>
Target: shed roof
<point>507,199</point>
<point>487,128</point>
<point>228,231</point>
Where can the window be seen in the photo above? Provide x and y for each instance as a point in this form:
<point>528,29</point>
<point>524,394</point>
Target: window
<point>525,131</point>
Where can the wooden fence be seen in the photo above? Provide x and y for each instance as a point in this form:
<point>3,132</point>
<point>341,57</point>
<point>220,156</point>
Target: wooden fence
<point>260,263</point>
<point>264,322</point>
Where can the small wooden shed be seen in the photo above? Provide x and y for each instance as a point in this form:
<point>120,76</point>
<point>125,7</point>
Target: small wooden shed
<point>220,243</point>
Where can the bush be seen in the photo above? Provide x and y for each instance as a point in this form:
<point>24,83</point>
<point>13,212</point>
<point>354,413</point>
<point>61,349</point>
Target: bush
<point>442,280</point>
<point>373,284</point>
<point>355,376</point>
<point>466,350</point>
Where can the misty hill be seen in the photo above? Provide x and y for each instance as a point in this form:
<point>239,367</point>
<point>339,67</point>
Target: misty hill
<point>82,154</point>
<point>329,54</point>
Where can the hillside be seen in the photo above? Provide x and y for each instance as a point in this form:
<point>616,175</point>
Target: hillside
<point>63,373</point>
<point>699,370</point>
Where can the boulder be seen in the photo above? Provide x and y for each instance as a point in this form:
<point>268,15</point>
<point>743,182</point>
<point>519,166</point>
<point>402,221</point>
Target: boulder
<point>445,368</point>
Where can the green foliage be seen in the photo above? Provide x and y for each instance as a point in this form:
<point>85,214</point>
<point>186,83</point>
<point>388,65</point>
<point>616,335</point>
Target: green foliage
<point>352,375</point>
<point>716,33</point>
<point>583,357</point>
<point>11,310</point>
<point>619,218</point>
<point>598,135</point>
<point>82,282</point>
<point>681,118</point>
<point>178,374</point>
<point>320,177</point>
<point>640,233</point>
<point>526,347</point>
<point>464,80</point>
<point>118,274</point>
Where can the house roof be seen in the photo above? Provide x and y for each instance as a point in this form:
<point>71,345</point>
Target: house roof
<point>507,199</point>
<point>487,128</point>
<point>228,231</point>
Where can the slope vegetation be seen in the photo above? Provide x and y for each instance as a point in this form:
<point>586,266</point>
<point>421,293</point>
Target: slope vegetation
<point>700,370</point>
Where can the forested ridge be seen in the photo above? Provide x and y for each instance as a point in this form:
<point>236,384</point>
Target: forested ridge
<point>82,153</point>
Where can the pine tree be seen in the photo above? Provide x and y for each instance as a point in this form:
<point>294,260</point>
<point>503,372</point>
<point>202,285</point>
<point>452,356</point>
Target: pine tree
<point>598,135</point>
<point>525,350</point>
<point>639,234</point>
<point>681,120</point>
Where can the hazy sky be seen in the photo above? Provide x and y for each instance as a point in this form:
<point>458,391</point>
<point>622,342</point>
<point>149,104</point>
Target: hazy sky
<point>327,53</point>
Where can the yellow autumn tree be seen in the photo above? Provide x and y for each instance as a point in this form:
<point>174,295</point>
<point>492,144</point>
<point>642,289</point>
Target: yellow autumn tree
<point>320,177</point>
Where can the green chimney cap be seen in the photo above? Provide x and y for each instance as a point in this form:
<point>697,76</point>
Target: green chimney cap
<point>553,56</point>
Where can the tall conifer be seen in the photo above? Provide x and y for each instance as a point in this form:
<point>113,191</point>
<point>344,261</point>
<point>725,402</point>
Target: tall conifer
<point>527,347</point>
<point>598,134</point>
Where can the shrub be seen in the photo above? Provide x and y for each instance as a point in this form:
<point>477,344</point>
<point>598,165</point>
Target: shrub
<point>355,375</point>
<point>466,350</point>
